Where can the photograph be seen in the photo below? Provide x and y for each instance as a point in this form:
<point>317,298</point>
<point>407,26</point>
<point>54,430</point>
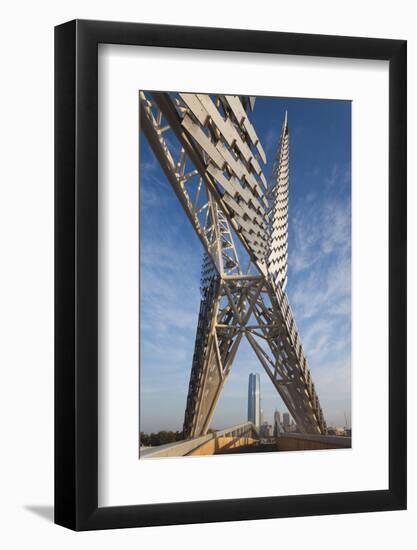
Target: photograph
<point>245,274</point>
<point>209,266</point>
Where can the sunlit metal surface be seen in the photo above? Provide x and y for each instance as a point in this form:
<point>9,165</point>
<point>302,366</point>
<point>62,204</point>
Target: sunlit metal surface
<point>213,158</point>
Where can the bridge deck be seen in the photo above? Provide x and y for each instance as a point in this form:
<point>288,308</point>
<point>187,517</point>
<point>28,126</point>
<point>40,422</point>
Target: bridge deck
<point>244,438</point>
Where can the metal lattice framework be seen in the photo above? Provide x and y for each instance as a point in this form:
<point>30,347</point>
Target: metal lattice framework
<point>212,156</point>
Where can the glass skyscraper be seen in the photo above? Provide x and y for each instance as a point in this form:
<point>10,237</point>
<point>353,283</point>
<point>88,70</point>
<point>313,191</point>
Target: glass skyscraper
<point>254,400</point>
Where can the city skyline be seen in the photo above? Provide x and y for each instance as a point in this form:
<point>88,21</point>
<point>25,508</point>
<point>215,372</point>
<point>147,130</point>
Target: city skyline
<point>319,271</point>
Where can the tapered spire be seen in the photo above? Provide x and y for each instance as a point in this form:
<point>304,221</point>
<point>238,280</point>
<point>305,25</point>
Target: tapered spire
<point>216,173</point>
<point>278,192</point>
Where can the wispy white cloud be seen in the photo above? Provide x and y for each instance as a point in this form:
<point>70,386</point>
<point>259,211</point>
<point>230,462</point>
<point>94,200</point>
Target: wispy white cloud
<point>320,289</point>
<point>319,228</point>
<point>338,176</point>
<point>271,138</point>
<point>148,164</point>
<point>169,290</point>
<point>170,261</point>
<point>325,291</point>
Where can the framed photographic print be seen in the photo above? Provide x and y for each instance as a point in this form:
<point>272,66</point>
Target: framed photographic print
<point>230,275</point>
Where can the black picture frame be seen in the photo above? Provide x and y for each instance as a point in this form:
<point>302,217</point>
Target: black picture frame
<point>76,272</point>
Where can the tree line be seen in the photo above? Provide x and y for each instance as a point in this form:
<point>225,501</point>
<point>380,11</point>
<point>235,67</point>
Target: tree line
<point>159,438</point>
<point>162,437</point>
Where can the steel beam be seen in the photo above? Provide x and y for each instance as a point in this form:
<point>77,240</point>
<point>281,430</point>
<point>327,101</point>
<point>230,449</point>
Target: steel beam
<point>211,155</point>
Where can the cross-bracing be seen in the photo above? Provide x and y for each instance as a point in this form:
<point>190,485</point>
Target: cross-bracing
<point>211,155</point>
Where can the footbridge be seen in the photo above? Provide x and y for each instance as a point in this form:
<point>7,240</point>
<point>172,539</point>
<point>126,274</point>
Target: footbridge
<point>244,438</point>
<point>215,442</point>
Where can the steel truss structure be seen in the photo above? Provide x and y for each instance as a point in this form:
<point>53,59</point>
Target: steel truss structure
<point>212,156</point>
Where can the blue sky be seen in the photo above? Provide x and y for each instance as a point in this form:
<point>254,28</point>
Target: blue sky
<point>319,283</point>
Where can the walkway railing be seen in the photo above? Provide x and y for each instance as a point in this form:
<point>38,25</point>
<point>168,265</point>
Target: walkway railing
<point>242,434</point>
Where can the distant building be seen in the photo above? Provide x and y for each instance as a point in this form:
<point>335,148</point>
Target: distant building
<point>254,400</point>
<point>286,421</point>
<point>266,430</point>
<point>278,429</point>
<point>277,416</point>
